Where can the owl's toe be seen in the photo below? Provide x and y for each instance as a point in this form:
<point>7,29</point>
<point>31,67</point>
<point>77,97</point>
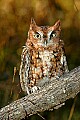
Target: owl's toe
<point>34,89</point>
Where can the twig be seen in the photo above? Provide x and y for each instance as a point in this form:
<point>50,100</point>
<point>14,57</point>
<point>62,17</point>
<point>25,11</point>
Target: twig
<point>72,109</point>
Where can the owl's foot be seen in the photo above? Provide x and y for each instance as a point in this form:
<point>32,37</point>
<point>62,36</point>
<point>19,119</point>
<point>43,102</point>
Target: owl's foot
<point>34,89</point>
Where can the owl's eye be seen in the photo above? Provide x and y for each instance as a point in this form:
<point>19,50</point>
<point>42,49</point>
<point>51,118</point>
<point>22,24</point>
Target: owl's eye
<point>53,34</point>
<point>37,35</point>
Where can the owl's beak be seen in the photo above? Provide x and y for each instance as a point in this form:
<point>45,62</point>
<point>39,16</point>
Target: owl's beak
<point>45,42</point>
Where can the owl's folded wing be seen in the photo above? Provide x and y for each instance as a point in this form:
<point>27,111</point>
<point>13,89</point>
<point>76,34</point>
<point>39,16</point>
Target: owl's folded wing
<point>24,70</point>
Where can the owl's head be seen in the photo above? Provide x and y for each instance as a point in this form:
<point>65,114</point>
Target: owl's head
<point>43,36</point>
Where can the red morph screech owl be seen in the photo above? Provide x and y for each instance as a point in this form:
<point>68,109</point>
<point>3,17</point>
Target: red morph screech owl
<point>43,56</point>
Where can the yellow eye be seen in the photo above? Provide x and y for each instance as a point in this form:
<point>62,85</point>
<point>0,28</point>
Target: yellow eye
<point>37,35</point>
<point>53,34</point>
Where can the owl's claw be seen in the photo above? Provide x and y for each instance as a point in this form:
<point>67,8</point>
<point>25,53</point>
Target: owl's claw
<point>34,89</point>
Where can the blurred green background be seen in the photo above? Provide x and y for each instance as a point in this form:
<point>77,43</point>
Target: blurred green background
<point>15,16</point>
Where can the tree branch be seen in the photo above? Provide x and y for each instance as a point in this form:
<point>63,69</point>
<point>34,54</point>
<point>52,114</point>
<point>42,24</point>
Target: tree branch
<point>52,93</point>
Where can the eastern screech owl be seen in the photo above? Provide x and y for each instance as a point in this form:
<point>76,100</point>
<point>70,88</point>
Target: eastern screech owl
<point>42,56</point>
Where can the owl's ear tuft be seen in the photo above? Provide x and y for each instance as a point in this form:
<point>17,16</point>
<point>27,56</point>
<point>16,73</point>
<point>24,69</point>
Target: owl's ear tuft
<point>33,21</point>
<point>33,24</point>
<point>58,25</point>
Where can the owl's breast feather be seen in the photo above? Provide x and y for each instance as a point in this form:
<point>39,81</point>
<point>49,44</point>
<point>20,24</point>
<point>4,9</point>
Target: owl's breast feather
<point>46,60</point>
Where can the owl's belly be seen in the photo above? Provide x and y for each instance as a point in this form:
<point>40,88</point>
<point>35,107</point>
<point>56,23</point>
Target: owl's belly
<point>42,65</point>
<point>45,64</point>
<point>46,57</point>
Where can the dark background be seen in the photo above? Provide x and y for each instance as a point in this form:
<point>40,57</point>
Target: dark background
<point>15,16</point>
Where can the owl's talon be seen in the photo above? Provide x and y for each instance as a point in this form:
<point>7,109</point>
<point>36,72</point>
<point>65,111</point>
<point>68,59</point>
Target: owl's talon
<point>34,89</point>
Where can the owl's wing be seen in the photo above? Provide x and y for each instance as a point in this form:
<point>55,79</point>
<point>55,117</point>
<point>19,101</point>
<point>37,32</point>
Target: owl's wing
<point>24,70</point>
<point>64,63</point>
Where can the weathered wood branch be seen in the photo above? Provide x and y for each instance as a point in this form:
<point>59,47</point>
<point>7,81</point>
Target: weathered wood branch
<point>52,93</point>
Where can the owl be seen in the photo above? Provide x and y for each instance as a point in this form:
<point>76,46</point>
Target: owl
<point>42,56</point>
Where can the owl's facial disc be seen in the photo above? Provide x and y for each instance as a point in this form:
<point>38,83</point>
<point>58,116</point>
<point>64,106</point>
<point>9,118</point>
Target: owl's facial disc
<point>45,39</point>
<point>44,36</point>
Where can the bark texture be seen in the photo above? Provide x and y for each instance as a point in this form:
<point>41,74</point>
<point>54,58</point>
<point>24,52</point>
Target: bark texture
<point>53,93</point>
